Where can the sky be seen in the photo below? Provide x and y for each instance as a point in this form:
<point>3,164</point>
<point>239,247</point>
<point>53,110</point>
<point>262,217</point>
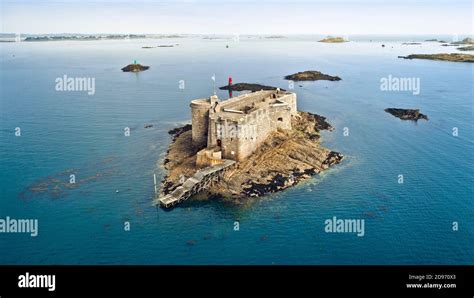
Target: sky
<point>238,16</point>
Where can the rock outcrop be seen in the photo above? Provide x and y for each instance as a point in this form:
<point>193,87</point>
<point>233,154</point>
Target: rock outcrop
<point>454,57</point>
<point>466,48</point>
<point>406,114</point>
<point>331,39</point>
<point>135,68</point>
<point>311,75</point>
<point>467,40</point>
<point>248,87</point>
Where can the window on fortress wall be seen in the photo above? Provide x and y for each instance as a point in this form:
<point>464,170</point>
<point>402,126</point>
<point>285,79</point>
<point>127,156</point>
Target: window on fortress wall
<point>280,119</point>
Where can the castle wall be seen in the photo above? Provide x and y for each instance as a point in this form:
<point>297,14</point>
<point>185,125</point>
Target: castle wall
<point>244,100</point>
<point>244,137</point>
<point>291,100</point>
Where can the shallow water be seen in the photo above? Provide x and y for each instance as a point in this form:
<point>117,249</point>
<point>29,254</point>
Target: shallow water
<point>409,223</point>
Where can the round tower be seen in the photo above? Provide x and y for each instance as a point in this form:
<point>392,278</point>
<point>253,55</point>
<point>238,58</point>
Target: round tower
<point>200,121</point>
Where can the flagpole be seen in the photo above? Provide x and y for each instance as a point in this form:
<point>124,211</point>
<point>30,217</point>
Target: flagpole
<point>214,79</point>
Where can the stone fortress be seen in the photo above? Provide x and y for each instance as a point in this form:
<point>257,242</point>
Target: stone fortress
<point>233,129</point>
<point>243,147</point>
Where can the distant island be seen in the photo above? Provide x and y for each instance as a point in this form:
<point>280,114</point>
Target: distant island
<point>454,57</point>
<point>331,39</point>
<point>83,37</point>
<point>159,46</point>
<point>467,40</point>
<point>466,48</point>
<point>275,37</point>
<point>135,67</point>
<point>311,75</point>
<point>9,37</point>
<point>248,87</point>
<point>406,114</point>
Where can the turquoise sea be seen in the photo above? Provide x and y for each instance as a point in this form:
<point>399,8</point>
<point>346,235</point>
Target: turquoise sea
<point>65,133</point>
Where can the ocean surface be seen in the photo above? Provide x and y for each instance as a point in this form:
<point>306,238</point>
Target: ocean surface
<point>64,133</point>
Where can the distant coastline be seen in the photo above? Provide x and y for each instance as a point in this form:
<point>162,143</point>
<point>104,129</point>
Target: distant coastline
<point>25,37</point>
<point>21,36</point>
<point>8,37</point>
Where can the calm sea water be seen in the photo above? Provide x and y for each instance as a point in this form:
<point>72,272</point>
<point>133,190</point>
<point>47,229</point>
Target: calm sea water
<point>72,132</point>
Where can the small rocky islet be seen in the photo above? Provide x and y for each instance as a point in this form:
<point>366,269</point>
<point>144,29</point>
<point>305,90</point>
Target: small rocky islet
<point>406,114</point>
<point>331,39</point>
<point>311,75</point>
<point>467,40</point>
<point>248,87</point>
<point>135,67</point>
<point>159,46</point>
<point>453,57</point>
<point>466,48</point>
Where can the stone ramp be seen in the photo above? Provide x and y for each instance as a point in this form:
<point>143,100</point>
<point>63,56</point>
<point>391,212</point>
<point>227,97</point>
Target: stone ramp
<point>193,185</point>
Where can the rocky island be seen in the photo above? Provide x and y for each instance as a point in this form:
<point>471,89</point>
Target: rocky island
<point>406,114</point>
<point>275,37</point>
<point>331,39</point>
<point>311,75</point>
<point>160,46</point>
<point>247,87</point>
<point>247,146</point>
<point>466,48</point>
<point>467,40</point>
<point>454,57</point>
<point>135,67</point>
